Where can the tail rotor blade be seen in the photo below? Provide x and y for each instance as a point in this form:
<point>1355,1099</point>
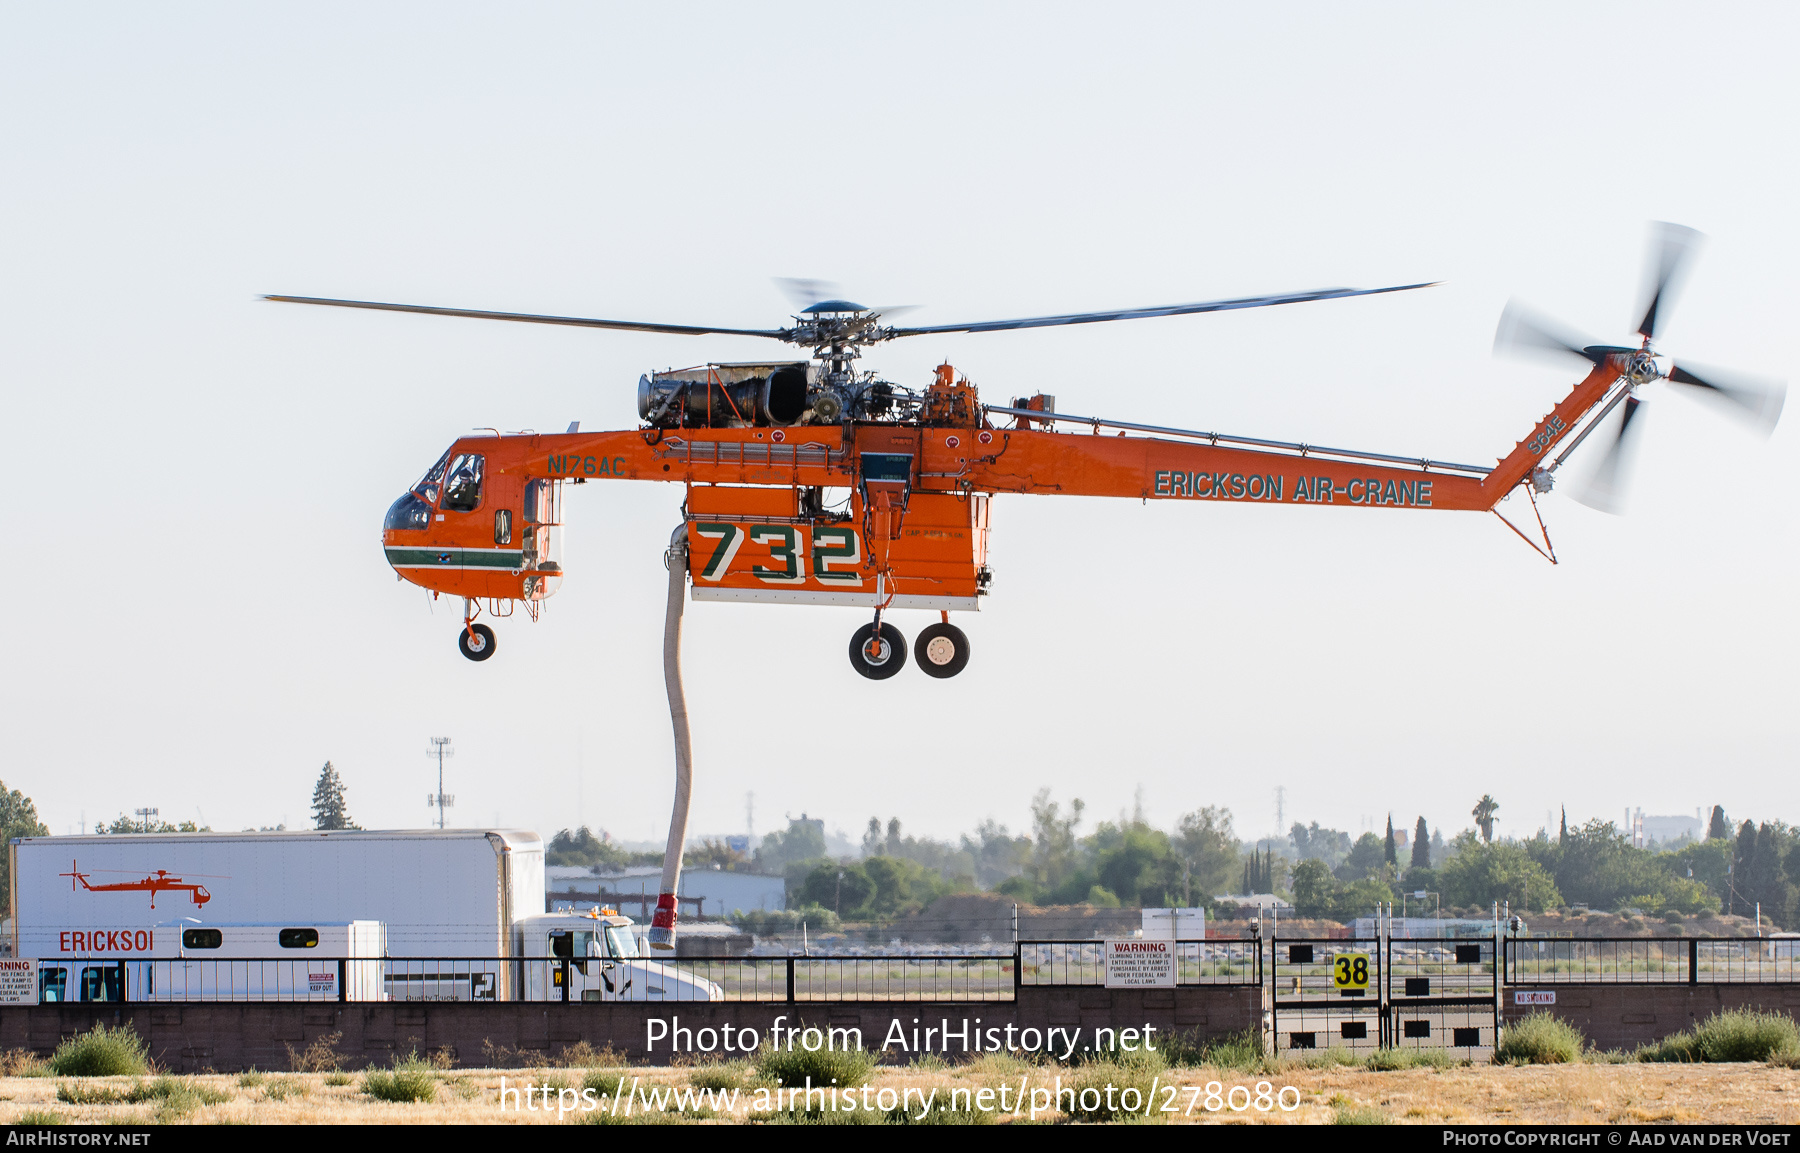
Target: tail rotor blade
<point>1671,247</point>
<point>1524,331</point>
<point>1605,489</point>
<point>1758,401</point>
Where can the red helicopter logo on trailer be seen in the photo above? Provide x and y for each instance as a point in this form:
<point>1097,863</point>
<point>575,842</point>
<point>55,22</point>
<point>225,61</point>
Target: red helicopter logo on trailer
<point>157,882</point>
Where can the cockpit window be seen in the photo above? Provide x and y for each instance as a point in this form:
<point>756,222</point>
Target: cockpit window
<point>433,480</point>
<point>462,483</point>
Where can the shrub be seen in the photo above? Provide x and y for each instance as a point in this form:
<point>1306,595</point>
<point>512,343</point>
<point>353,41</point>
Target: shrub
<point>338,1077</point>
<point>1539,1039</point>
<point>101,1052</point>
<point>412,1079</point>
<point>39,1117</point>
<point>281,1088</point>
<point>250,1079</point>
<point>1732,1035</point>
<point>791,1067</point>
<point>23,1063</point>
<point>319,1057</point>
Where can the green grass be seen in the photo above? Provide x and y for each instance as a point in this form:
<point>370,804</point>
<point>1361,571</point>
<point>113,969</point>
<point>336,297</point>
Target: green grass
<point>719,1076</point>
<point>101,1052</point>
<point>338,1077</point>
<point>1733,1035</point>
<point>250,1079</point>
<point>412,1079</point>
<point>75,1093</point>
<point>175,1097</point>
<point>1241,1050</point>
<point>1389,1060</point>
<point>1540,1039</point>
<point>791,1067</point>
<point>40,1117</point>
<point>1358,1115</point>
<point>282,1088</point>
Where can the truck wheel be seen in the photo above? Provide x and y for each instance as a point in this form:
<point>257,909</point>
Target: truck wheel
<point>877,658</point>
<point>942,650</point>
<point>478,647</point>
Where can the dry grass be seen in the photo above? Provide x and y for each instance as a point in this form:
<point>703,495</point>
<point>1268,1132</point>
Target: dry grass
<point>1582,1093</point>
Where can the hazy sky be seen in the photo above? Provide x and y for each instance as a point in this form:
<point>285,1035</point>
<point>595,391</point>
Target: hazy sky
<point>201,613</point>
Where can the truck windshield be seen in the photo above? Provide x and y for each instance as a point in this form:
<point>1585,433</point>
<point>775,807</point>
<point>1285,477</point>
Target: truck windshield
<point>620,942</point>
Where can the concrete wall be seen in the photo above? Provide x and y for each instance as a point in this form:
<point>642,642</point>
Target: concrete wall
<point>232,1037</point>
<point>1626,1016</point>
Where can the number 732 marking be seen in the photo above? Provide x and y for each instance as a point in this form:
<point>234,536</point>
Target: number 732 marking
<point>834,550</point>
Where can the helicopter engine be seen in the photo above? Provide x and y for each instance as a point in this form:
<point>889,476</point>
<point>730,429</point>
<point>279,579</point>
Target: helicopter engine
<point>727,395</point>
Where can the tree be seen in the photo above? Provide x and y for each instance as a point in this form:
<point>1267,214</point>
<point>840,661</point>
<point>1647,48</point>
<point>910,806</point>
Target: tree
<point>1421,847</point>
<point>580,848</point>
<point>1053,849</point>
<point>1365,859</point>
<point>1483,812</point>
<point>1481,873</point>
<point>1314,889</point>
<point>1315,844</point>
<point>1390,852</point>
<point>1207,847</point>
<point>1741,900</point>
<point>1720,828</point>
<point>329,810</point>
<point>18,818</point>
<point>1562,834</point>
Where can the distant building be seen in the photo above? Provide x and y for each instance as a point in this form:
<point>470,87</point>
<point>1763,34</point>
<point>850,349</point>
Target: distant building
<point>715,892</point>
<point>1664,829</point>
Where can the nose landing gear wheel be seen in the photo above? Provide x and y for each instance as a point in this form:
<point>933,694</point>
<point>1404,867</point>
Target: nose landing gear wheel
<point>942,650</point>
<point>478,647</point>
<point>877,657</point>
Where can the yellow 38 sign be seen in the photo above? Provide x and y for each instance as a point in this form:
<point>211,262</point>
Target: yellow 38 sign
<point>1350,971</point>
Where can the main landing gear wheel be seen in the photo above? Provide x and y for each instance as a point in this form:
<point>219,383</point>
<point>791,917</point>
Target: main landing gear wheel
<point>877,657</point>
<point>942,650</point>
<point>479,646</point>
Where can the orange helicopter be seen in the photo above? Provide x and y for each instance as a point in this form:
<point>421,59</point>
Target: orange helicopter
<point>808,482</point>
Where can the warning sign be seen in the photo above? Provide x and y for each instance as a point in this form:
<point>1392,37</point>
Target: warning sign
<point>322,982</point>
<point>1134,963</point>
<point>1535,997</point>
<point>18,981</point>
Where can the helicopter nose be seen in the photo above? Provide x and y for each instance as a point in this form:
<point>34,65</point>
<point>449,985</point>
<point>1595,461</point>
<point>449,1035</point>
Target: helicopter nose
<point>408,514</point>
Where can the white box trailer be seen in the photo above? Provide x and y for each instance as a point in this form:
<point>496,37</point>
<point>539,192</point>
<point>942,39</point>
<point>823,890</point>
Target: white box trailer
<point>441,893</point>
<point>194,961</point>
<point>452,903</point>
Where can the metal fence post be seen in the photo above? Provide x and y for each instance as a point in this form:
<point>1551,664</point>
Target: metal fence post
<point>343,992</point>
<point>790,978</point>
<point>1693,960</point>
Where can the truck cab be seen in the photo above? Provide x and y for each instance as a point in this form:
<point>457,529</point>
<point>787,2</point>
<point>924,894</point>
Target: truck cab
<point>594,956</point>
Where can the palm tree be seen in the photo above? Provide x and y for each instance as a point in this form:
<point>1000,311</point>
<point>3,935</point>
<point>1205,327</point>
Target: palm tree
<point>1483,812</point>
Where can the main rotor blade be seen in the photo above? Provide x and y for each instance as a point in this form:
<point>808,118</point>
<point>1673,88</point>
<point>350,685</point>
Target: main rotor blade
<point>1671,247</point>
<point>1166,310</point>
<point>803,291</point>
<point>1605,489</point>
<point>533,318</point>
<point>1522,330</point>
<point>1760,401</point>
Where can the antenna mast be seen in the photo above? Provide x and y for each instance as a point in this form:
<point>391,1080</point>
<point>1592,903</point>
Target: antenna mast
<point>440,748</point>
